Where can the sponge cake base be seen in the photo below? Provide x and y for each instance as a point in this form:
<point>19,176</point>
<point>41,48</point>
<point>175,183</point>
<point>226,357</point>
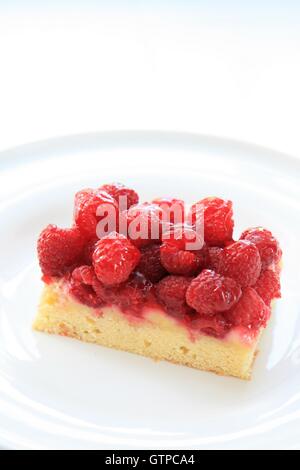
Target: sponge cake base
<point>157,335</point>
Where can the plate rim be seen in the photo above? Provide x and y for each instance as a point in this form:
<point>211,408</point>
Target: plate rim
<point>154,138</point>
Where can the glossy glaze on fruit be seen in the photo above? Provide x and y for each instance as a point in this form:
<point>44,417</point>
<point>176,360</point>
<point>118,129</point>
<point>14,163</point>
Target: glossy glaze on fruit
<point>223,285</point>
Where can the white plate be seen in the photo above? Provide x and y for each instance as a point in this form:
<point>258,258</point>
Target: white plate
<point>60,393</point>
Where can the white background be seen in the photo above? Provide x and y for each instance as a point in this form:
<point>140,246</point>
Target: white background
<point>224,68</point>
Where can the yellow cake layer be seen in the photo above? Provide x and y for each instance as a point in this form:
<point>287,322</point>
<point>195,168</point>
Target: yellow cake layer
<point>158,336</point>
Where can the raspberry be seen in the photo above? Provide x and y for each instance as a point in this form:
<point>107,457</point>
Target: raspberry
<point>59,249</point>
<point>266,244</point>
<point>210,293</point>
<point>83,274</point>
<point>87,202</point>
<point>216,325</point>
<point>114,259</point>
<point>150,265</point>
<point>184,237</point>
<point>228,243</point>
<point>173,209</point>
<point>171,291</point>
<point>214,254</point>
<point>131,295</point>
<point>218,219</point>
<point>179,261</point>
<point>174,256</point>
<point>144,224</point>
<point>118,189</point>
<point>268,286</point>
<point>88,250</point>
<point>241,261</point>
<point>250,312</point>
<point>82,286</point>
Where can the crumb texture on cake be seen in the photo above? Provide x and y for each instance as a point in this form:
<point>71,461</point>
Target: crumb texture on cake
<point>158,336</point>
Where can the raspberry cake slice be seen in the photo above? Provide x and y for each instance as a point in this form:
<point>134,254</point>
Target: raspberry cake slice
<point>154,292</point>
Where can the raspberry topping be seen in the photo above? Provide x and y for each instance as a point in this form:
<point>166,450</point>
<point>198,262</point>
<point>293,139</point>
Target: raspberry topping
<point>268,286</point>
<point>173,209</point>
<point>114,259</point>
<point>174,255</point>
<point>266,244</point>
<point>150,264</point>
<point>118,189</point>
<point>209,293</point>
<point>179,261</point>
<point>218,219</point>
<point>171,292</point>
<point>88,250</point>
<point>214,254</point>
<point>241,261</point>
<point>59,249</point>
<point>250,312</point>
<point>132,295</point>
<point>184,237</point>
<point>216,325</point>
<point>142,255</point>
<point>88,203</point>
<point>82,286</point>
<point>144,224</point>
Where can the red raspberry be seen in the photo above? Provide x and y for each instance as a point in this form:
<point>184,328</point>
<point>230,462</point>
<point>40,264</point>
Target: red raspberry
<point>144,224</point>
<point>268,286</point>
<point>82,286</point>
<point>84,274</point>
<point>250,312</point>
<point>59,249</point>
<point>214,254</point>
<point>210,293</point>
<point>114,259</point>
<point>266,244</point>
<point>174,255</point>
<point>118,189</point>
<point>241,261</point>
<point>150,265</point>
<point>184,237</point>
<point>87,202</point>
<point>216,326</point>
<point>130,296</point>
<point>88,250</point>
<point>218,219</point>
<point>179,261</point>
<point>173,209</point>
<point>171,291</point>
